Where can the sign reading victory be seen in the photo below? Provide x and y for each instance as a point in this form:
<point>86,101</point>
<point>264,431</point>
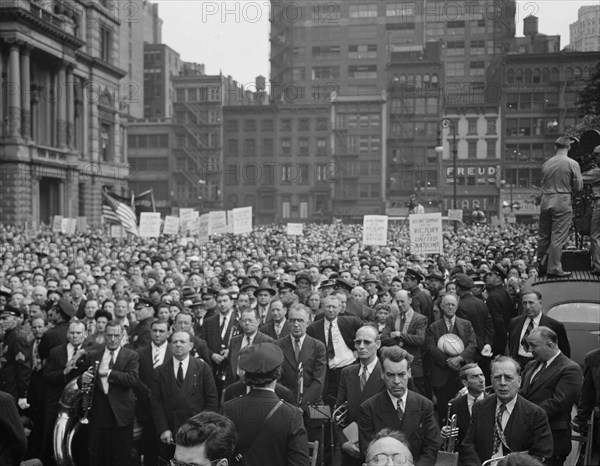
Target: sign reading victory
<point>426,233</point>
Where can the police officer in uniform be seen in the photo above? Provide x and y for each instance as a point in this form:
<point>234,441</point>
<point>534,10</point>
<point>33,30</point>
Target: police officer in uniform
<point>141,334</point>
<point>270,431</point>
<point>15,366</point>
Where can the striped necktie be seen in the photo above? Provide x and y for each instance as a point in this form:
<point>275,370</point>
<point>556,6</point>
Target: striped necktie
<point>155,358</point>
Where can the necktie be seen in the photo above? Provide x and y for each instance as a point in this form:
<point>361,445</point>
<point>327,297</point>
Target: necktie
<point>400,411</point>
<point>330,349</point>
<point>364,376</point>
<point>537,375</point>
<point>37,362</point>
<point>449,325</point>
<point>277,329</point>
<point>498,431</point>
<point>155,358</point>
<point>222,326</point>
<point>524,343</point>
<point>297,349</point>
<point>180,374</point>
<point>402,321</point>
<point>111,363</point>
<point>248,342</point>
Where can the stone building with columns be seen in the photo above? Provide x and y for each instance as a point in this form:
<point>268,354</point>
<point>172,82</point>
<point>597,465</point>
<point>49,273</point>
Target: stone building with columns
<point>62,109</point>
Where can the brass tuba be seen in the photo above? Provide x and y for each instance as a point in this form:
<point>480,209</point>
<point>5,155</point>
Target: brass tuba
<point>67,424</point>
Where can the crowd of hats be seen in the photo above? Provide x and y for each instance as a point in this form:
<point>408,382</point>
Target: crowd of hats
<point>266,259</point>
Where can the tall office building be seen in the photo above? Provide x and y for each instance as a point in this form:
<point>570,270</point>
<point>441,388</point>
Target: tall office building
<point>161,63</point>
<point>322,48</point>
<point>585,32</point>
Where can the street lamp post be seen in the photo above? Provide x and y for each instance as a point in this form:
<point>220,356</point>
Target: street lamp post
<point>449,123</point>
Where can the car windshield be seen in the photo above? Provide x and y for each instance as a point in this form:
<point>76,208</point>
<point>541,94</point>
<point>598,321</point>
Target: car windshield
<point>576,312</point>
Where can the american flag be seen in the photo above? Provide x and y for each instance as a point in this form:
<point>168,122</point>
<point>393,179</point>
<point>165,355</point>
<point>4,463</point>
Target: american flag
<point>116,211</point>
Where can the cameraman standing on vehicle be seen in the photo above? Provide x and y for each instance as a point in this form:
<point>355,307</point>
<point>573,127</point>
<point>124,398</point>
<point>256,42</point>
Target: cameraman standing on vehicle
<point>561,177</point>
<point>592,177</point>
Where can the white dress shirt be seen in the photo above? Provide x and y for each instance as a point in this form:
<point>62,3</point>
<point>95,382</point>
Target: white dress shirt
<point>161,351</point>
<point>184,366</point>
<point>505,417</point>
<point>343,355</point>
<point>104,366</point>
<point>536,324</point>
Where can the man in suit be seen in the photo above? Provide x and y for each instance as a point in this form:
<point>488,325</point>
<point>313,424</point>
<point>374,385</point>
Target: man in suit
<point>444,367</point>
<point>152,356</point>
<point>13,442</point>
<point>500,305</point>
<point>337,334</point>
<point>113,410</point>
<point>505,422</point>
<point>520,328</point>
<point>144,314</point>
<point>206,438</point>
<point>263,295</point>
<point>421,301</point>
<point>59,315</point>
<point>400,409</point>
<point>358,383</point>
<point>282,438</point>
<point>472,378</point>
<point>590,393</point>
<point>249,336</point>
<point>407,330</point>
<point>217,331</point>
<point>183,386</point>
<point>184,323</point>
<point>475,311</point>
<point>278,326</point>
<point>65,363</point>
<point>553,382</point>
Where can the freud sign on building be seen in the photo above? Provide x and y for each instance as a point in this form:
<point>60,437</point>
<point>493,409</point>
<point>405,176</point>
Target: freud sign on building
<point>472,175</point>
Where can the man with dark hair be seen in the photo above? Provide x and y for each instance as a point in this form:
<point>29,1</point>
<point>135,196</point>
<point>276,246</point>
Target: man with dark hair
<point>60,314</point>
<point>407,330</point>
<point>520,328</point>
<point>184,322</point>
<point>561,177</point>
<point>505,422</point>
<point>144,314</point>
<point>183,386</point>
<point>400,409</point>
<point>206,438</point>
<point>278,326</point>
<point>553,382</point>
<point>250,335</point>
<point>472,378</point>
<point>271,432</point>
<point>500,305</point>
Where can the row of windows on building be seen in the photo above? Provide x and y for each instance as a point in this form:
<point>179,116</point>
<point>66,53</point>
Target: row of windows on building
<point>430,129</point>
<point>207,93</point>
<point>288,207</point>
<point>538,100</point>
<point>303,146</point>
<point>148,141</point>
<point>252,174</point>
<point>284,124</point>
<point>546,75</point>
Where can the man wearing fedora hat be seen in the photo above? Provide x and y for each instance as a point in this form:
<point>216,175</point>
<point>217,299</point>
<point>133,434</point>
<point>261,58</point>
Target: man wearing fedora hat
<point>500,305</point>
<point>263,295</point>
<point>421,302</point>
<point>561,177</point>
<point>60,314</point>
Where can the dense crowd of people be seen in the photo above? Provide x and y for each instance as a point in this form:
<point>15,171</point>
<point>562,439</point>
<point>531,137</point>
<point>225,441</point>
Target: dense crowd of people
<point>156,333</point>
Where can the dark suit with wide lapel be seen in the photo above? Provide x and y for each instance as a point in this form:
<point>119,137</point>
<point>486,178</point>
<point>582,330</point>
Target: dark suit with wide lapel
<point>349,391</point>
<point>52,338</point>
<point>556,389</point>
<point>460,407</point>
<point>112,414</point>
<point>211,332</point>
<point>527,430</point>
<point>418,424</point>
<point>280,441</point>
<point>55,382</point>
<point>515,328</point>
<point>143,411</point>
<point>413,341</point>
<point>314,364</point>
<point>173,405</point>
<point>269,329</point>
<point>234,353</point>
<point>348,326</point>
<point>475,311</point>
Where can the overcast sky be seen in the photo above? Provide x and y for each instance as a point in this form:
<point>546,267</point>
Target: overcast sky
<point>235,39</point>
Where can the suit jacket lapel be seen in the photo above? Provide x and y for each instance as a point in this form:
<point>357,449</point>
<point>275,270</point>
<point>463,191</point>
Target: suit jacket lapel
<point>306,350</point>
<point>388,411</point>
<point>190,376</point>
<point>288,351</point>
